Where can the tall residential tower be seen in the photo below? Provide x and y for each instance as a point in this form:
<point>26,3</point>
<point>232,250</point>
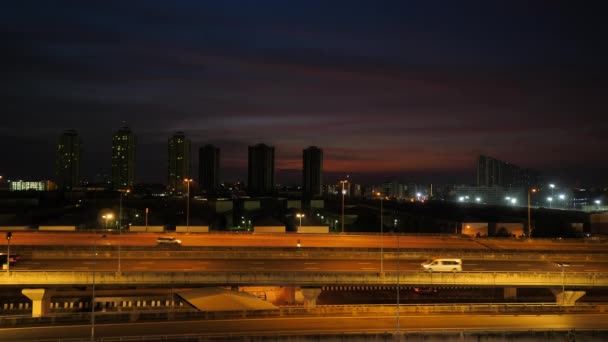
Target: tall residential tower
<point>179,162</point>
<point>261,170</point>
<point>124,144</point>
<point>208,169</point>
<point>312,174</point>
<point>67,163</point>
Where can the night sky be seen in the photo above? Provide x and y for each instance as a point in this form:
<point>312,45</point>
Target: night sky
<point>411,91</point>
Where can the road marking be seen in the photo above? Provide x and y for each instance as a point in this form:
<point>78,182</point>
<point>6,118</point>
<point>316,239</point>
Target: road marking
<point>311,263</point>
<point>202,262</point>
<point>146,262</point>
<point>592,270</point>
<point>256,262</point>
<point>469,264</point>
<point>368,268</point>
<point>364,263</point>
<point>81,268</point>
<point>479,269</point>
<point>524,265</point>
<point>256,268</point>
<point>312,268</point>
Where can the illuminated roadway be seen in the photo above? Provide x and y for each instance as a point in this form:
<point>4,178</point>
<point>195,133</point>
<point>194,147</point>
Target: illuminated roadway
<point>318,325</point>
<point>299,265</point>
<point>306,240</point>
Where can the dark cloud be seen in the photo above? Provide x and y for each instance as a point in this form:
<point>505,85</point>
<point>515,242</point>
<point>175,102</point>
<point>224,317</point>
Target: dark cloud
<point>398,90</point>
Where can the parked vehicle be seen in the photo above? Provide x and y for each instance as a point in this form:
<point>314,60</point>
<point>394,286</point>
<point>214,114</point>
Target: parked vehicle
<point>442,265</point>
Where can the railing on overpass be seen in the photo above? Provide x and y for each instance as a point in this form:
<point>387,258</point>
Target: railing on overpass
<point>310,279</point>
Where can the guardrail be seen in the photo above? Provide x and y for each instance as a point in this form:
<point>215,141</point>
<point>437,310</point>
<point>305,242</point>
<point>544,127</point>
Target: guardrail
<point>312,279</point>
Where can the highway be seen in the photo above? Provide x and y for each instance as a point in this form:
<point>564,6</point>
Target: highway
<point>111,238</point>
<point>318,325</point>
<point>300,265</point>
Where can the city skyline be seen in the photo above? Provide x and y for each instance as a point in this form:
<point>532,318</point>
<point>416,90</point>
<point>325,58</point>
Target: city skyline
<point>400,91</point>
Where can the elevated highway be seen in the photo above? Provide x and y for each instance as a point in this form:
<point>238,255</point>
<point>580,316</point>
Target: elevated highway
<point>305,279</point>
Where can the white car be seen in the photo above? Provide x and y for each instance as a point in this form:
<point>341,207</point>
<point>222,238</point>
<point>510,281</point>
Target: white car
<point>442,265</point>
<point>168,241</point>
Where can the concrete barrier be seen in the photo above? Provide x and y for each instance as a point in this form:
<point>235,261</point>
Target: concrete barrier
<point>57,228</point>
<point>140,229</point>
<point>192,229</point>
<point>313,230</point>
<point>269,229</point>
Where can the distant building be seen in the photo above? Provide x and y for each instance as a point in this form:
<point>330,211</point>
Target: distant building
<point>124,144</point>
<point>494,172</point>
<point>67,161</point>
<point>261,170</point>
<point>312,174</point>
<point>179,162</point>
<point>208,169</point>
<point>21,185</point>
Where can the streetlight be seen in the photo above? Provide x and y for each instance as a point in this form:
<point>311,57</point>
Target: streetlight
<point>552,186</point>
<point>562,197</point>
<point>598,202</point>
<point>529,226</point>
<point>120,229</point>
<point>550,200</point>
<point>298,215</point>
<point>381,234</point>
<point>107,217</point>
<point>122,192</point>
<point>9,236</point>
<point>93,296</point>
<point>343,193</point>
<point>188,181</point>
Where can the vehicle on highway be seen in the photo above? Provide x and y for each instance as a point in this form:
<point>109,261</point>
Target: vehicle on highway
<point>13,258</point>
<point>442,265</point>
<point>168,241</point>
<point>424,290</point>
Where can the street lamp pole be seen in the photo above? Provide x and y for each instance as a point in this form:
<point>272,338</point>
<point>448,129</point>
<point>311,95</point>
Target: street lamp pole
<point>381,235</point>
<point>93,296</point>
<point>300,217</point>
<point>9,236</point>
<point>343,193</point>
<point>120,230</point>
<point>529,223</point>
<point>398,250</point>
<point>188,181</point>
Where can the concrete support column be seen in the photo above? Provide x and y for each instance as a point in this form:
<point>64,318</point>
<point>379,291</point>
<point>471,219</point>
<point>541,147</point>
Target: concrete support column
<point>41,301</point>
<point>310,296</point>
<point>567,298</point>
<point>510,293</point>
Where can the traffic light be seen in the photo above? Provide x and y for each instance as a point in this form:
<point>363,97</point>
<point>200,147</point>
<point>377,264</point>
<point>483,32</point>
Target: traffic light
<point>9,235</point>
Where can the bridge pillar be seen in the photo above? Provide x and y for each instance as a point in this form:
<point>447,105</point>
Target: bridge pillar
<point>41,301</point>
<point>510,293</point>
<point>310,296</point>
<point>567,298</point>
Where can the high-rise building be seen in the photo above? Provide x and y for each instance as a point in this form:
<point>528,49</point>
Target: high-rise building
<point>312,174</point>
<point>261,170</point>
<point>124,144</point>
<point>179,162</point>
<point>494,172</point>
<point>67,162</point>
<point>208,169</point>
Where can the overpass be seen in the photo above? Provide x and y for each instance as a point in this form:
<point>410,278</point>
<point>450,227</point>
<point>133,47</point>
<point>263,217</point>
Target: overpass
<point>309,283</point>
